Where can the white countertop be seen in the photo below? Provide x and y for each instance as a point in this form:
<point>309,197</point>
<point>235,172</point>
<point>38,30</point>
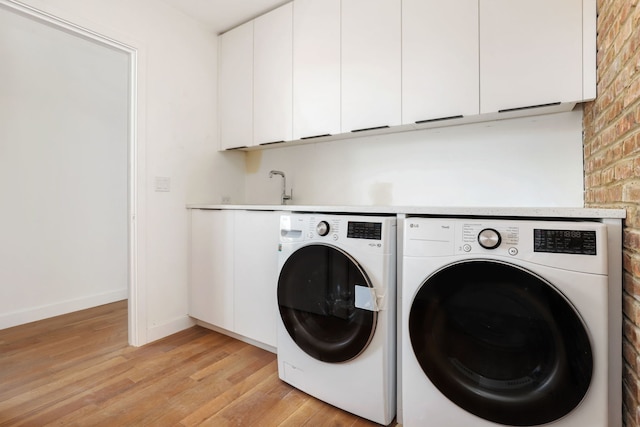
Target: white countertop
<point>592,213</point>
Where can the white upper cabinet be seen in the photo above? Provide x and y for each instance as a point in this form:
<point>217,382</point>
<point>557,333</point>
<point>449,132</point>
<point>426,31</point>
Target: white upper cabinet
<point>371,64</point>
<point>440,71</point>
<point>235,87</point>
<point>273,79</point>
<point>316,68</point>
<point>531,53</point>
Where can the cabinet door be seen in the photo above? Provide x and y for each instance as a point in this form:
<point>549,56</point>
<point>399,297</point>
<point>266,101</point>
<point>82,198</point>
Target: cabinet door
<point>371,64</point>
<point>316,68</point>
<point>256,275</point>
<point>235,87</point>
<point>530,53</point>
<point>211,265</point>
<point>273,79</point>
<point>440,71</point>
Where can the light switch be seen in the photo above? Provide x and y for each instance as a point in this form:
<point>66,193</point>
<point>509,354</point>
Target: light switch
<point>163,183</point>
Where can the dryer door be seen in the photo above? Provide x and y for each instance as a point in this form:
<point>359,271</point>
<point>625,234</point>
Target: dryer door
<point>316,299</point>
<point>501,342</point>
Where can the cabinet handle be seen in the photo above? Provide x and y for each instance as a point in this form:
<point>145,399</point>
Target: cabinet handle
<point>439,119</point>
<point>373,128</point>
<point>551,104</point>
<point>240,147</point>
<point>316,136</point>
<point>273,142</point>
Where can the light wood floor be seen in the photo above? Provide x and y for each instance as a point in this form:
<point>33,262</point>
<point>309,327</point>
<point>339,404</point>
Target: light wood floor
<point>77,369</point>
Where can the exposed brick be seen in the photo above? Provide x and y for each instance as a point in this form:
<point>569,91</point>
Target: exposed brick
<point>614,152</point>
<point>630,356</point>
<point>631,192</point>
<point>632,287</point>
<point>631,332</point>
<point>631,387</point>
<point>612,164</point>
<point>631,262</point>
<point>632,220</point>
<point>626,122</point>
<point>631,240</point>
<point>631,145</point>
<point>614,193</point>
<point>631,383</point>
<point>624,169</point>
<point>593,180</point>
<point>608,175</point>
<point>589,199</point>
<point>631,307</point>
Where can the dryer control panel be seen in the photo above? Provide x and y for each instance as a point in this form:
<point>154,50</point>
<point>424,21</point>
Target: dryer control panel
<point>575,245</point>
<point>564,241</point>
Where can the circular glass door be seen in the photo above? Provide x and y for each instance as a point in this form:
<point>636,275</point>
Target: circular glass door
<point>501,343</point>
<point>316,299</point>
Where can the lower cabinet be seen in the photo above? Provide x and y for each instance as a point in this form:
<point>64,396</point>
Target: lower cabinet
<point>256,275</point>
<point>211,257</point>
<point>234,271</point>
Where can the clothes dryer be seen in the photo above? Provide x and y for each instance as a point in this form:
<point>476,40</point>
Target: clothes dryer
<point>336,298</point>
<point>505,322</point>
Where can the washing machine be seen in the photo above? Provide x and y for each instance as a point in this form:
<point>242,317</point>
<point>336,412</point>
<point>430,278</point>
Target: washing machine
<point>336,297</point>
<point>505,322</point>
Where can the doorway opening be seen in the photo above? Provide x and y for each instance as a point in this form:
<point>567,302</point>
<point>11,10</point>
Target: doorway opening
<point>68,157</point>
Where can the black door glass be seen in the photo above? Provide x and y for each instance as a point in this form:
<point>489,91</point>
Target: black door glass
<point>501,343</point>
<point>316,299</point>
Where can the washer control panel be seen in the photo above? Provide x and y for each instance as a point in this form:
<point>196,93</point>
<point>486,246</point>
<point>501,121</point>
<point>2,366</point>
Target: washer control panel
<point>375,233</point>
<point>364,230</point>
<point>323,228</point>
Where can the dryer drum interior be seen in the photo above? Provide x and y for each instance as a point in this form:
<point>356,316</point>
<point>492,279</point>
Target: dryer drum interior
<point>501,342</point>
<point>316,299</point>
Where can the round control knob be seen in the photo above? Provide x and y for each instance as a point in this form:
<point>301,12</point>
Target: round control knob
<point>322,228</point>
<point>489,238</point>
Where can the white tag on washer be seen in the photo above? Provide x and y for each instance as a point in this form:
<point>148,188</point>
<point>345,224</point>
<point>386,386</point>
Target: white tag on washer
<point>366,298</point>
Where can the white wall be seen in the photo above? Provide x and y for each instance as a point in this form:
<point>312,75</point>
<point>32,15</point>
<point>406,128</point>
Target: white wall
<point>63,171</point>
<point>525,162</point>
<point>177,138</point>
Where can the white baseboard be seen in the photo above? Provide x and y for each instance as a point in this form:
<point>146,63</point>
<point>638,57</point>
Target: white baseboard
<point>169,328</point>
<point>33,314</point>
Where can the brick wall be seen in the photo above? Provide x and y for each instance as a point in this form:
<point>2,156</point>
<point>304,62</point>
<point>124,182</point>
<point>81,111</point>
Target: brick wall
<point>612,164</point>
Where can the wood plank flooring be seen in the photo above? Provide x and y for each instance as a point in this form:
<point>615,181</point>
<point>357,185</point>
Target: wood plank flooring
<point>78,369</point>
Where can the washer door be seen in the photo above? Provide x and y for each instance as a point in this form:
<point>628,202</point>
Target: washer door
<point>501,343</point>
<point>316,298</point>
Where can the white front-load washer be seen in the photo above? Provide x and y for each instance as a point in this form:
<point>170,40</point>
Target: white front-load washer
<point>505,322</point>
<point>336,297</point>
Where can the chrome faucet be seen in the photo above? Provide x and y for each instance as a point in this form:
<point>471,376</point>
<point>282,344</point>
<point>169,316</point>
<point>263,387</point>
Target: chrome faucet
<point>284,196</point>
